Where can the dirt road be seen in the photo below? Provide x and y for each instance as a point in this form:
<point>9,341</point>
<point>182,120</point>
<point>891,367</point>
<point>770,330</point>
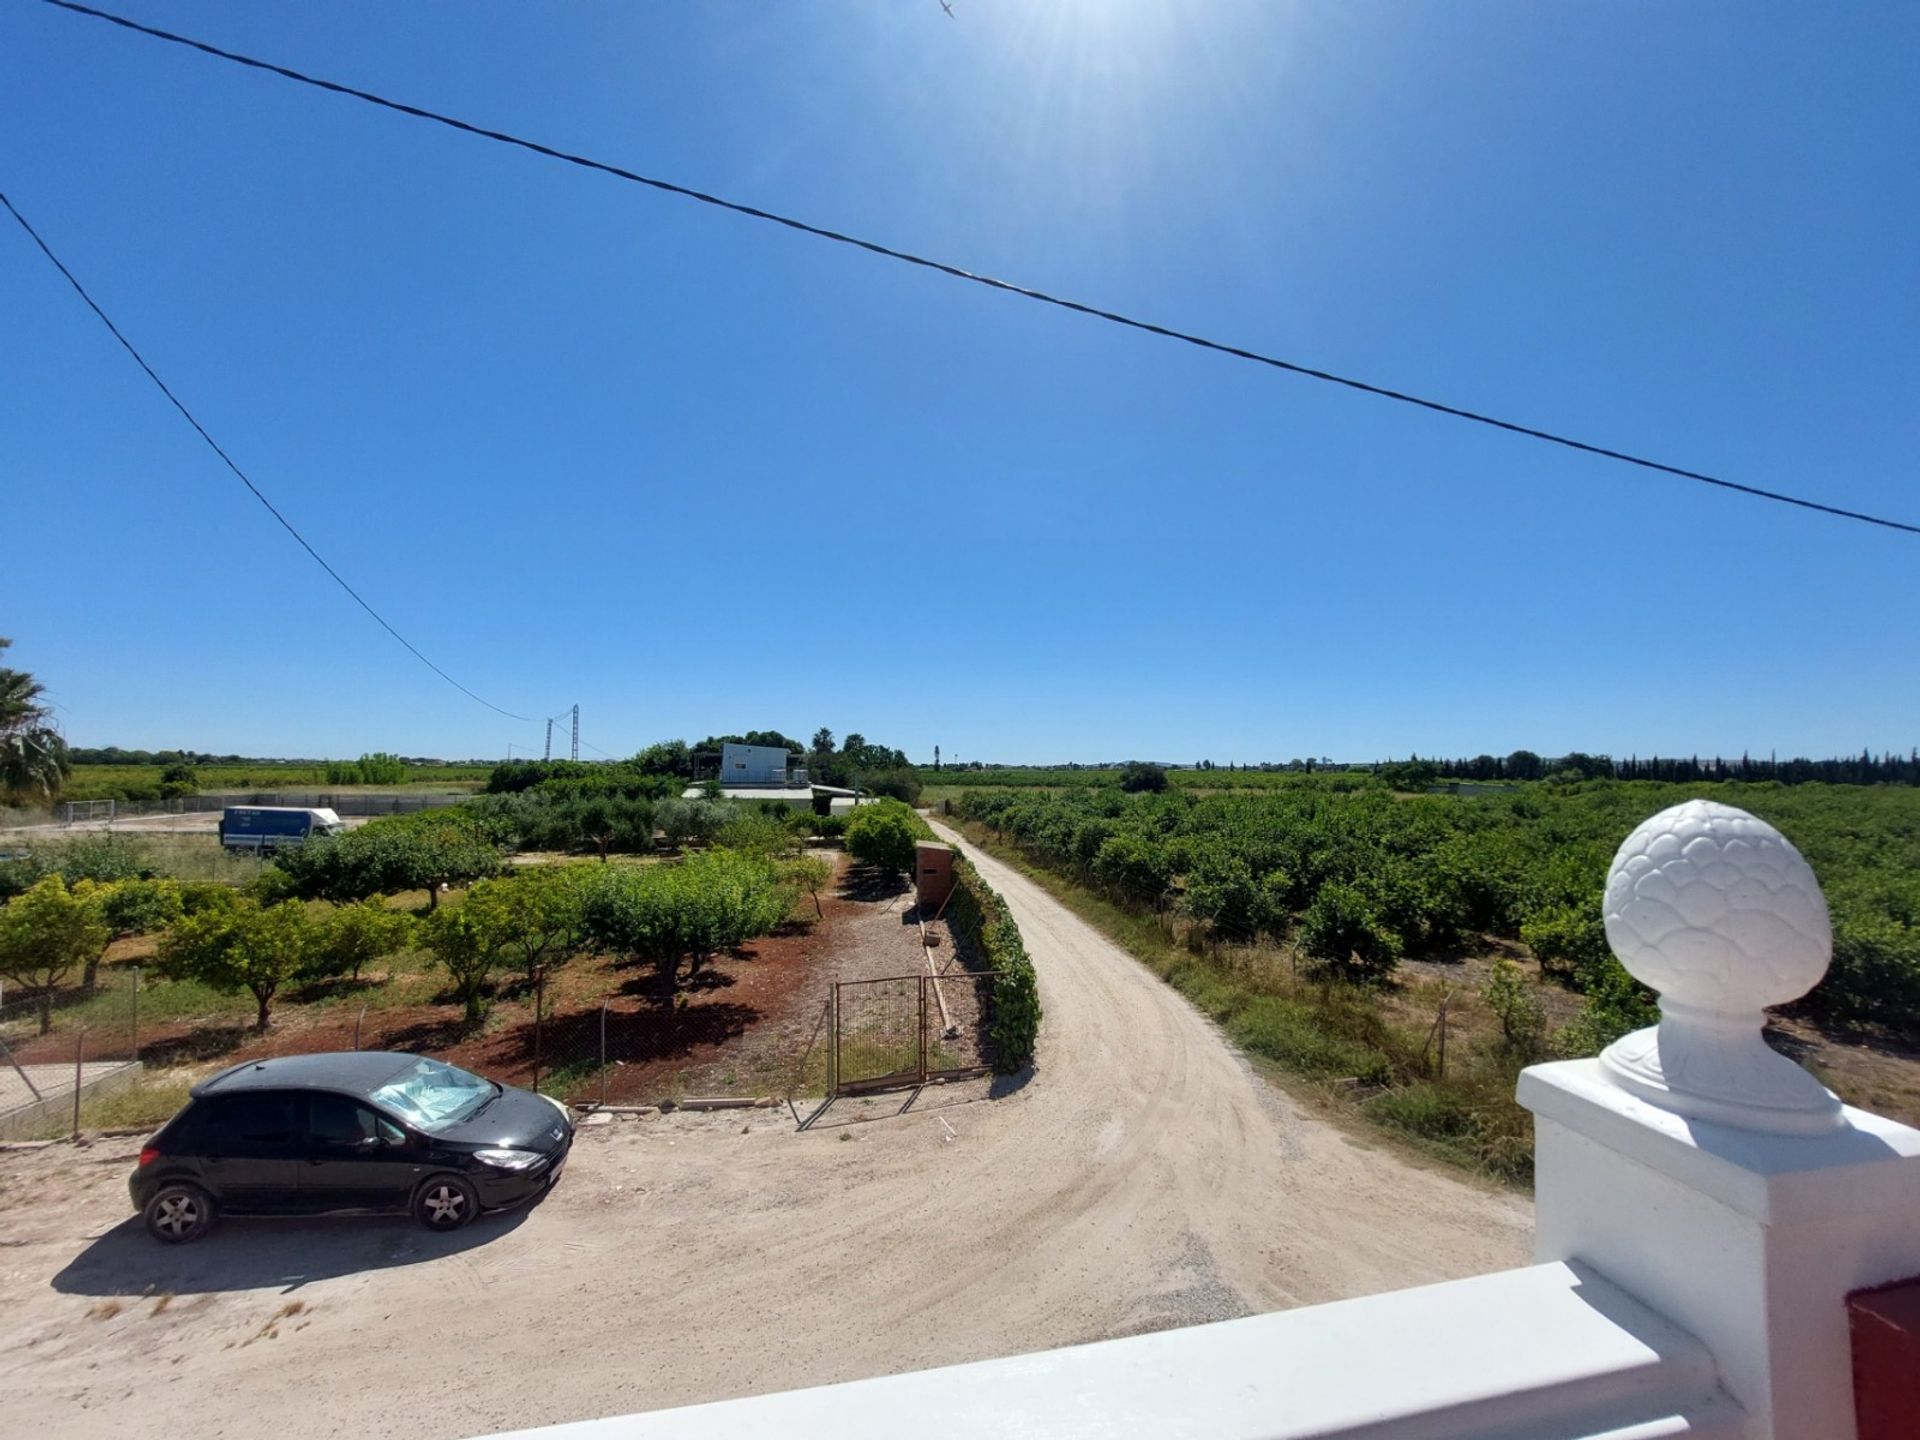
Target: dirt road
<point>1143,1178</point>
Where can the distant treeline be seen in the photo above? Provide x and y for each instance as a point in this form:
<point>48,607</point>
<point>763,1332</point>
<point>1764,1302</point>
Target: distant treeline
<point>1865,768</point>
<point>114,755</point>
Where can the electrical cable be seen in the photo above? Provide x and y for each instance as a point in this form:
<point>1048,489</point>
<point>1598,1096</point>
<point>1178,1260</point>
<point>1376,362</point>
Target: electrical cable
<point>956,272</point>
<point>227,459</point>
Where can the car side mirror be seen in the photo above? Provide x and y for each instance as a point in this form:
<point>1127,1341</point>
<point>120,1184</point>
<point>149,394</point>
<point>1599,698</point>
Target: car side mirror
<point>371,1143</point>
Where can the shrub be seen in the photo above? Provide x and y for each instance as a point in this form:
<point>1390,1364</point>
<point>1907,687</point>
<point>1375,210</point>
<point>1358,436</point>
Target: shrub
<point>468,942</point>
<point>1134,868</point>
<point>829,827</point>
<point>664,914</point>
<point>177,780</point>
<point>759,834</point>
<point>1141,777</point>
<point>246,948</point>
<point>141,907</point>
<point>352,937</point>
<point>882,835</point>
<point>1568,940</point>
<point>1616,1005</point>
<point>420,852</point>
<point>537,912</point>
<point>1875,974</point>
<point>807,875</point>
<point>48,932</point>
<point>378,768</point>
<point>685,821</point>
<point>103,858</point>
<point>898,784</point>
<point>1341,932</point>
<point>1221,893</point>
<point>22,870</point>
<point>1515,1002</point>
<point>199,896</point>
<point>603,822</point>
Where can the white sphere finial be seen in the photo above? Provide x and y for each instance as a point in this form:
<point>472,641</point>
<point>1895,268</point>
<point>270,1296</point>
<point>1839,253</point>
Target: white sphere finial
<point>1715,910</point>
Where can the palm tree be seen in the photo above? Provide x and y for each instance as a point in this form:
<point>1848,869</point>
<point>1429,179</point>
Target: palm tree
<point>33,757</point>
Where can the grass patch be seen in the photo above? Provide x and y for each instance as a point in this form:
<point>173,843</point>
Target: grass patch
<point>151,1100</point>
<point>577,1079</point>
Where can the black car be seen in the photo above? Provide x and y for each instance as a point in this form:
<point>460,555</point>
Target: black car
<point>364,1132</point>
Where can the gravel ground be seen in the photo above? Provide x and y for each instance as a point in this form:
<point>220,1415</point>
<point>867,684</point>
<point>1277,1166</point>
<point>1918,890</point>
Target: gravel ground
<point>1142,1178</point>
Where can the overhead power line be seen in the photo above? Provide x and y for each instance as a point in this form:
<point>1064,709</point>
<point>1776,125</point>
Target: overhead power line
<point>228,461</point>
<point>956,272</point>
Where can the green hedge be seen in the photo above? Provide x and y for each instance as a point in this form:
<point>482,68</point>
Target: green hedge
<point>977,912</point>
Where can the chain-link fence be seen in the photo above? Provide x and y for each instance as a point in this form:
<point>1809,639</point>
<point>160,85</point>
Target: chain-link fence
<point>907,1030</point>
<point>77,1042</point>
<point>41,1029</point>
<point>580,1044</point>
<point>56,1049</point>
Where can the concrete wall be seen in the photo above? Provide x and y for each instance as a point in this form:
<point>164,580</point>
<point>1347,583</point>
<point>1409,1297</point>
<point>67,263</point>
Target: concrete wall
<point>26,1117</point>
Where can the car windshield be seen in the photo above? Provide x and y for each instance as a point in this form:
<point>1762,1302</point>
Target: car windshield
<point>432,1094</point>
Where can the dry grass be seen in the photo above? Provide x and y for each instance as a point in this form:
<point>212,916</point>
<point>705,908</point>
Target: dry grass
<point>151,1100</point>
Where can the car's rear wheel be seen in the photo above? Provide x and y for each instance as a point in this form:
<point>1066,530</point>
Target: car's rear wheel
<point>445,1202</point>
<point>178,1213</point>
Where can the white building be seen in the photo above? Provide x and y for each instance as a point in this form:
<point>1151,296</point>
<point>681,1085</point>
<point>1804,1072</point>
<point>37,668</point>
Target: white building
<point>771,772</point>
<point>757,765</point>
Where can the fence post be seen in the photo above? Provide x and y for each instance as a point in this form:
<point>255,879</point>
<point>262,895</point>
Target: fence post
<point>539,1006</point>
<point>357,1021</point>
<point>1444,999</point>
<point>79,1055</point>
<point>134,1019</point>
<point>603,1049</point>
<point>833,1044</point>
<point>923,1029</point>
<point>25,1079</point>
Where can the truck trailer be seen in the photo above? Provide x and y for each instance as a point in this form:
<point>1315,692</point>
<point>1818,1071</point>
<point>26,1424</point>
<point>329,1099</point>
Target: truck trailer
<point>263,829</point>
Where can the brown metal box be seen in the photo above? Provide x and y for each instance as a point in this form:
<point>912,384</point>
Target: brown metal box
<point>932,874</point>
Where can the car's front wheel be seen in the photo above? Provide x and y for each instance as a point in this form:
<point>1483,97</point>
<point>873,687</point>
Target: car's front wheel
<point>178,1213</point>
<point>445,1202</point>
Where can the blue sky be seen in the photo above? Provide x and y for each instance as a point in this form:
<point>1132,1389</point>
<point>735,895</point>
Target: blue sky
<point>584,442</point>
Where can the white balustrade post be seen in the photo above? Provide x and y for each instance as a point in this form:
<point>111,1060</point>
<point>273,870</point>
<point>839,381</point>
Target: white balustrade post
<point>1710,1177</point>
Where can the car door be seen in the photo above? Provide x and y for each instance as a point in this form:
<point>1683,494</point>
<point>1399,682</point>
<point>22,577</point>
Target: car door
<point>251,1147</point>
<point>355,1157</point>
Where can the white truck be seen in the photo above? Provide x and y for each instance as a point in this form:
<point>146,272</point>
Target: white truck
<point>263,829</point>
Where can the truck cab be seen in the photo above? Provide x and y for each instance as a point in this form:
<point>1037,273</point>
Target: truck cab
<point>263,829</point>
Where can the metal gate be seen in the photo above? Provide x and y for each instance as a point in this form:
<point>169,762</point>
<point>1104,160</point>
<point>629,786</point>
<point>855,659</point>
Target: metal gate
<point>907,1030</point>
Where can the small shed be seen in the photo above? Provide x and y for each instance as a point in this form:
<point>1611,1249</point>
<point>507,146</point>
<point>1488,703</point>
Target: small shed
<point>932,874</point>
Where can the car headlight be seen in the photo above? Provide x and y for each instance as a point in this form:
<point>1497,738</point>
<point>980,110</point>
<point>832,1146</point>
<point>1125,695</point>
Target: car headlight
<point>510,1159</point>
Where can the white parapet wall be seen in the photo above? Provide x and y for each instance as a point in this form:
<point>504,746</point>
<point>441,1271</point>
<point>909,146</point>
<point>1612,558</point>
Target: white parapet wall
<point>1750,1241</point>
<point>1552,1352</point>
<point>1703,1208</point>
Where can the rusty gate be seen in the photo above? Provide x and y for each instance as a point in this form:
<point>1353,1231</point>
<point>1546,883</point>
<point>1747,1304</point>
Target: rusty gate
<point>907,1030</point>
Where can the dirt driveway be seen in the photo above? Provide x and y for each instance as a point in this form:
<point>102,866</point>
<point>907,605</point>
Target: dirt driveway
<point>1143,1178</point>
